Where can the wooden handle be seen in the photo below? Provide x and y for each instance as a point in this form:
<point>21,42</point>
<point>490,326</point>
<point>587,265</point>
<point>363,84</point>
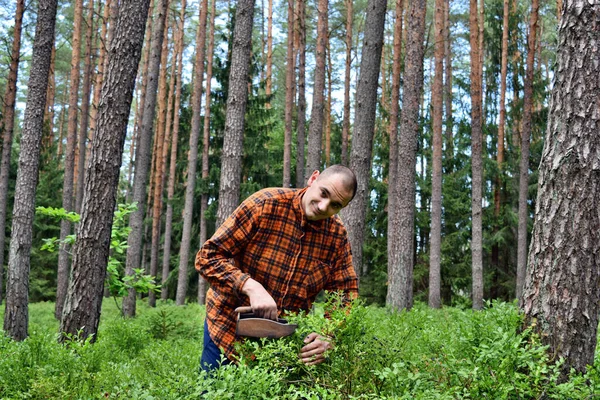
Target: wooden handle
<point>243,310</point>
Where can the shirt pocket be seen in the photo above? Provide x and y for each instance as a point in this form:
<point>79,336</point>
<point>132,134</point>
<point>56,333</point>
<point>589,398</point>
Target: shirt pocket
<point>317,277</point>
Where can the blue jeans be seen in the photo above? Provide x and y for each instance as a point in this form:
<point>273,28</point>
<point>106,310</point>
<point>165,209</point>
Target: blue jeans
<point>211,354</point>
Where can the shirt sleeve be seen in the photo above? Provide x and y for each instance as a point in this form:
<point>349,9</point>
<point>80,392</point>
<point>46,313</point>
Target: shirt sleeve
<point>216,259</point>
<point>344,277</point>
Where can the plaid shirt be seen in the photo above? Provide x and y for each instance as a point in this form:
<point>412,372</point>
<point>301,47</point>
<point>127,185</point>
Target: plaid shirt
<point>268,238</point>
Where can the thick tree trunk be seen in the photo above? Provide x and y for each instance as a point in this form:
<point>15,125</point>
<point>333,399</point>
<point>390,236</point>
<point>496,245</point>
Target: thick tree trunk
<point>16,314</point>
<point>62,278</point>
<point>401,261</point>
<point>237,98</point>
<point>289,99</point>
<point>142,158</point>
<point>561,295</point>
<point>184,250</point>
<point>301,134</point>
<point>476,160</point>
<point>48,139</point>
<point>178,57</point>
<point>84,300</point>
<point>162,147</point>
<point>85,107</point>
<point>525,140</point>
<point>315,130</point>
<point>364,127</point>
<point>347,72</point>
<point>436,180</point>
<point>393,221</point>
<point>8,113</point>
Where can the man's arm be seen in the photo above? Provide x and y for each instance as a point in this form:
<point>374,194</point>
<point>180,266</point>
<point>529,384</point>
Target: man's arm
<point>215,260</point>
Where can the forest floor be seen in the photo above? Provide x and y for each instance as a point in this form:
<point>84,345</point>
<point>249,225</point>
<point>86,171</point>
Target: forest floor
<point>422,354</point>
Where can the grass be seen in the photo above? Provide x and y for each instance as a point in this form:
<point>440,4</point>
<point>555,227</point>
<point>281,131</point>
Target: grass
<point>379,354</point>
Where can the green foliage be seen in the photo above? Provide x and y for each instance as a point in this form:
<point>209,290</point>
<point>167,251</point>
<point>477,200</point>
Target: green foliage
<point>117,282</point>
<point>378,354</point>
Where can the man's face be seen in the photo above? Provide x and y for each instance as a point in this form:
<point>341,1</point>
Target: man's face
<point>325,196</point>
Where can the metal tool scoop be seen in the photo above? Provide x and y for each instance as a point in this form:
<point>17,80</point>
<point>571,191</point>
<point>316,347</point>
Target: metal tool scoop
<point>249,325</point>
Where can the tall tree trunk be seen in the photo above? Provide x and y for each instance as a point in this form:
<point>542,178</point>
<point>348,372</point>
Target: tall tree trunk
<point>142,158</point>
<point>561,294</point>
<point>16,315</point>
<point>328,68</point>
<point>50,100</point>
<point>448,84</point>
<point>501,125</point>
<point>84,300</point>
<point>85,106</point>
<point>269,52</point>
<point>184,250</point>
<point>436,180</point>
<point>315,130</point>
<point>62,278</point>
<point>525,140</point>
<point>401,261</point>
<point>237,98</point>
<point>301,134</point>
<point>8,113</point>
<point>205,148</point>
<point>476,160</point>
<point>289,98</point>
<point>162,147</point>
<point>364,126</point>
<point>393,221</point>
<point>100,70</point>
<point>178,58</point>
<point>347,73</point>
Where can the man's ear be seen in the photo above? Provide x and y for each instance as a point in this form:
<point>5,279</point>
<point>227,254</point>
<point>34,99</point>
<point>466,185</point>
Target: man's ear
<point>313,177</point>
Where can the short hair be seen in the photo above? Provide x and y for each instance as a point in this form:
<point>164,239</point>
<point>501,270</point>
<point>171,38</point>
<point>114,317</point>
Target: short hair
<point>349,179</point>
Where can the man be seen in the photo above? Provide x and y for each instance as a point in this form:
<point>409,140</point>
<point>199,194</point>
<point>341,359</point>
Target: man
<point>276,252</point>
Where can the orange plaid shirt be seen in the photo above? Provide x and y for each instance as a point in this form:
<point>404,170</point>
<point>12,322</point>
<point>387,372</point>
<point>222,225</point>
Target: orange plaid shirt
<point>269,239</point>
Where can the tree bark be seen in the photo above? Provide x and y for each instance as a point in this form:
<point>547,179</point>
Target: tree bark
<point>315,130</point>
<point>84,300</point>
<point>184,250</point>
<point>289,99</point>
<point>237,98</point>
<point>62,278</point>
<point>85,107</point>
<point>393,195</point>
<point>178,62</point>
<point>269,52</point>
<point>561,294</point>
<point>8,113</point>
<point>48,139</point>
<point>142,158</point>
<point>301,134</point>
<point>328,68</point>
<point>476,160</point>
<point>364,127</point>
<point>401,262</point>
<point>436,180</point>
<point>449,137</point>
<point>16,313</point>
<point>162,149</point>
<point>525,141</point>
<point>347,72</point>
<point>205,149</point>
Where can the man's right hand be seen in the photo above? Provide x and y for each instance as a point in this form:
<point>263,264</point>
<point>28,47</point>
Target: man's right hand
<point>261,301</point>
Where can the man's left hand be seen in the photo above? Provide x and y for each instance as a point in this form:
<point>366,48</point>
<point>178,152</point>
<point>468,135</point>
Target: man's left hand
<point>314,351</point>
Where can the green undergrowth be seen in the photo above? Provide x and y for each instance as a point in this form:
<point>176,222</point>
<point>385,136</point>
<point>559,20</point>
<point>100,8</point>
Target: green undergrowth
<point>378,354</point>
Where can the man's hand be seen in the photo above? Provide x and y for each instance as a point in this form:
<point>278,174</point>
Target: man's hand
<point>314,351</point>
<point>262,303</point>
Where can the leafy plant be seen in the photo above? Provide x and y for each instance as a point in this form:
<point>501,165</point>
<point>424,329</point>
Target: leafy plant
<point>117,282</point>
